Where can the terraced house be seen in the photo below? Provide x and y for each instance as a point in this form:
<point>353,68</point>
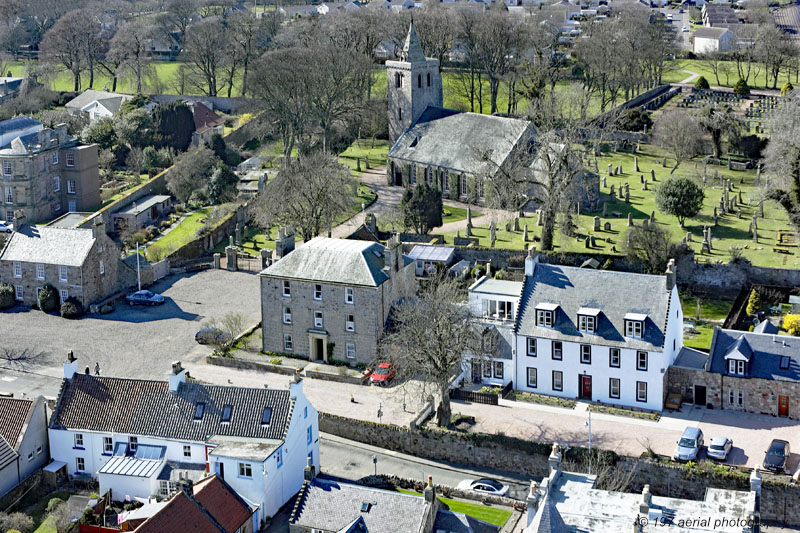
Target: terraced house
<point>45,172</point>
<point>597,335</point>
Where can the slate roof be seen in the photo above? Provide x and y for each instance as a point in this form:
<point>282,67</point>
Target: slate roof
<point>13,415</point>
<point>547,519</point>
<point>7,453</point>
<point>146,407</point>
<point>709,33</point>
<point>333,506</point>
<point>450,522</point>
<point>412,49</point>
<point>764,352</point>
<point>18,123</point>
<point>90,95</point>
<point>49,245</point>
<point>464,142</point>
<point>615,294</point>
<point>181,514</point>
<point>691,358</point>
<point>334,261</point>
<point>146,203</point>
<point>222,502</point>
<point>765,326</point>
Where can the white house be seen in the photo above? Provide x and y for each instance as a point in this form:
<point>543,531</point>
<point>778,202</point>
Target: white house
<point>98,104</point>
<point>23,440</point>
<point>495,303</point>
<point>141,438</point>
<point>708,40</point>
<point>597,335</point>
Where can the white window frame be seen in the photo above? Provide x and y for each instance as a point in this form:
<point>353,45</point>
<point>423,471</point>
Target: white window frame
<point>56,183</point>
<point>102,267</point>
<point>587,324</point>
<point>187,450</point>
<point>17,269</point>
<point>641,360</point>
<point>246,470</point>
<point>319,319</point>
<point>63,273</point>
<point>287,315</point>
<point>462,185</point>
<point>40,271</point>
<point>69,159</point>
<point>8,167</point>
<point>350,350</point>
<point>735,367</point>
<point>9,195</point>
<point>80,464</point>
<point>64,295</point>
<point>71,187</point>
<point>18,293</point>
<point>350,323</point>
<point>318,292</point>
<point>108,445</point>
<point>78,440</point>
<point>544,318</point>
<point>133,443</point>
<point>54,158</point>
<point>531,347</point>
<point>736,398</point>
<point>288,345</point>
<point>497,369</point>
<point>641,386</point>
<point>535,382</point>
<point>634,329</point>
<point>287,289</point>
<point>349,295</point>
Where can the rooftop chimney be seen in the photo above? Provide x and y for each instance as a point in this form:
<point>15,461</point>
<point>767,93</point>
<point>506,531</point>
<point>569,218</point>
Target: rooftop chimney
<point>555,463</point>
<point>646,501</point>
<point>532,501</point>
<point>19,219</point>
<point>309,471</point>
<point>530,263</point>
<point>430,497</point>
<point>70,366</point>
<point>98,227</point>
<point>296,386</point>
<point>672,275</point>
<point>177,376</point>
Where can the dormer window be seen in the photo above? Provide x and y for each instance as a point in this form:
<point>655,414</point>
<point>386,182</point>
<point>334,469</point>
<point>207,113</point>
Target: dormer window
<point>227,411</point>
<point>545,314</point>
<point>266,416</point>
<point>634,325</point>
<point>587,320</point>
<point>736,367</point>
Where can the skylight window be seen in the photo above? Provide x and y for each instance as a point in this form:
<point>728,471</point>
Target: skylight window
<point>199,409</point>
<point>267,416</point>
<point>365,507</point>
<point>227,410</point>
<point>784,362</point>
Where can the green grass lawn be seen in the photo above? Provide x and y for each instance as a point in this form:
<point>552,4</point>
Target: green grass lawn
<point>712,313</point>
<point>730,232</point>
<point>487,513</point>
<point>454,214</point>
<point>376,151</point>
<point>672,74</point>
<point>48,526</point>
<point>183,233</point>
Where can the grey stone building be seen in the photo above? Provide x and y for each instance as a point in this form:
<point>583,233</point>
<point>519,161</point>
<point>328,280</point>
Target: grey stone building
<point>330,298</point>
<point>45,172</point>
<point>23,440</point>
<point>83,263</point>
<point>744,371</point>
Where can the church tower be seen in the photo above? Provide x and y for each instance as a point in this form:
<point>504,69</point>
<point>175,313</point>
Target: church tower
<point>414,83</point>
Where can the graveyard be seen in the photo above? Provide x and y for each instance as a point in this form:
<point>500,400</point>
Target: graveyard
<point>628,199</point>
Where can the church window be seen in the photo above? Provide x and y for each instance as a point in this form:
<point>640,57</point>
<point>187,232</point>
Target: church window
<point>419,81</point>
<point>429,79</point>
<point>399,114</point>
<point>398,80</point>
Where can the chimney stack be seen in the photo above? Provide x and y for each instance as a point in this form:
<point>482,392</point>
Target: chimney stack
<point>672,275</point>
<point>430,497</point>
<point>309,471</point>
<point>70,365</point>
<point>533,501</point>
<point>19,219</point>
<point>177,376</point>
<point>646,501</point>
<point>555,463</point>
<point>530,263</point>
<point>98,227</point>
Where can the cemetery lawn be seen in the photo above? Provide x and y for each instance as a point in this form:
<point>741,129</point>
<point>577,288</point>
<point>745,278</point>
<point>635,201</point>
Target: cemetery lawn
<point>712,313</point>
<point>731,232</point>
<point>375,149</point>
<point>672,74</point>
<point>488,513</point>
<point>454,214</point>
<point>184,232</point>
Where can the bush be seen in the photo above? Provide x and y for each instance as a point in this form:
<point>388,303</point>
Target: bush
<point>165,224</point>
<point>791,323</point>
<point>48,298</point>
<point>753,303</point>
<point>680,197</point>
<point>52,504</point>
<point>787,88</point>
<point>6,296</point>
<point>71,308</point>
<point>702,83</point>
<point>741,88</point>
<point>635,120</point>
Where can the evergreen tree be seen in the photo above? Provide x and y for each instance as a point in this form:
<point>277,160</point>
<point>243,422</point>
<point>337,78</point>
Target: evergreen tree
<point>173,125</point>
<point>422,208</point>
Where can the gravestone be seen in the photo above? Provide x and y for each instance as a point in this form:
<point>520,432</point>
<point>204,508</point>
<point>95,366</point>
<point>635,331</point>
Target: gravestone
<point>689,236</point>
<point>492,233</point>
<point>596,225</point>
<point>630,219</point>
<point>612,191</point>
<point>710,239</point>
<point>704,182</point>
<point>358,164</point>
<point>607,226</point>
<point>366,162</point>
<point>595,166</point>
<point>636,163</point>
<point>664,162</point>
<point>761,208</point>
<point>641,178</point>
<point>469,229</point>
<point>644,186</point>
<point>620,166</point>
<point>645,223</point>
<point>516,223</point>
<point>605,209</point>
<point>755,222</point>
<point>652,217</point>
<point>539,220</point>
<point>627,196</point>
<point>610,170</point>
<point>592,241</point>
<point>508,226</point>
<point>525,234</point>
<point>587,243</point>
<point>738,212</point>
<point>705,248</point>
<point>653,174</point>
<point>740,196</point>
<point>604,182</point>
<point>238,232</point>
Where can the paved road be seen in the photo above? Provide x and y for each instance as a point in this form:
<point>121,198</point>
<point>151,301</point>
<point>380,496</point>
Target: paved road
<point>353,460</point>
<point>679,20</point>
<point>135,342</point>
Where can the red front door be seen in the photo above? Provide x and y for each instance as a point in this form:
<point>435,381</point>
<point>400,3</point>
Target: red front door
<point>586,388</point>
<point>783,406</point>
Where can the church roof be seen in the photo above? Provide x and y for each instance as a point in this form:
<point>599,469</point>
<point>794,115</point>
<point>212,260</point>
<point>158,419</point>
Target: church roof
<point>412,49</point>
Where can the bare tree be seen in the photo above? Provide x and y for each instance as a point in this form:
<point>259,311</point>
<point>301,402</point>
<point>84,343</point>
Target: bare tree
<point>776,51</point>
<point>63,45</point>
<point>782,156</point>
<point>206,46</point>
<point>128,49</point>
<point>310,194</point>
<point>432,340</point>
<point>650,247</point>
<point>681,134</point>
<point>248,36</point>
<point>436,30</point>
<point>499,43</point>
<point>229,328</point>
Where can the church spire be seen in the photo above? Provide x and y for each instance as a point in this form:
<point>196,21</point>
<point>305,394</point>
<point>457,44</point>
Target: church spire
<point>412,50</point>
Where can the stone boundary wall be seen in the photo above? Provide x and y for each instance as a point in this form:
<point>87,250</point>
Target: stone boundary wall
<point>220,103</point>
<point>780,499</point>
<point>13,496</point>
<point>242,364</point>
<point>202,246</point>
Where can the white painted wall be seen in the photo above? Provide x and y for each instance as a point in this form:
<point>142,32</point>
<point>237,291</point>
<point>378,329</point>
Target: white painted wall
<point>128,486</point>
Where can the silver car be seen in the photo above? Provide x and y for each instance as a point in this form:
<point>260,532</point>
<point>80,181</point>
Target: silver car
<point>719,448</point>
<point>689,446</point>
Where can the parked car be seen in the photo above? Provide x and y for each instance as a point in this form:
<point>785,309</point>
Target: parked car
<point>144,297</point>
<point>776,456</point>
<point>484,486</point>
<point>719,448</point>
<point>6,227</point>
<point>689,446</point>
<point>685,29</point>
<point>211,335</point>
<point>382,375</point>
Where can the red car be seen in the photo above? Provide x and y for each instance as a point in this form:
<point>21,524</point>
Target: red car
<point>383,374</point>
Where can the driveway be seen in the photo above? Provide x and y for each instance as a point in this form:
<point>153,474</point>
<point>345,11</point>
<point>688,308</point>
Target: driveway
<point>133,342</point>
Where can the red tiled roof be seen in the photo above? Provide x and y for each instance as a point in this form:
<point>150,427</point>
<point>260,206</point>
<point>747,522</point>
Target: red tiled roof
<point>13,413</point>
<point>204,117</point>
<point>180,514</point>
<point>221,502</point>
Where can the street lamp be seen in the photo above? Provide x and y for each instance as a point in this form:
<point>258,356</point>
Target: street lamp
<point>380,412</point>
<point>375,463</point>
<point>588,424</point>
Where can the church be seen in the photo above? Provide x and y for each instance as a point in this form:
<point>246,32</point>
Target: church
<point>451,150</point>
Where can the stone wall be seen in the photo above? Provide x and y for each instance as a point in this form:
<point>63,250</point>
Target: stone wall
<point>203,246</point>
<point>11,498</point>
<point>244,364</point>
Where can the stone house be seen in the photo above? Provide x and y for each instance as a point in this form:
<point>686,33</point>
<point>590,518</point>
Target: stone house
<point>330,298</point>
<point>83,263</point>
<point>206,123</point>
<point>141,213</point>
<point>146,438</point>
<point>23,440</point>
<point>597,335</point>
<point>45,172</point>
<point>744,371</point>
